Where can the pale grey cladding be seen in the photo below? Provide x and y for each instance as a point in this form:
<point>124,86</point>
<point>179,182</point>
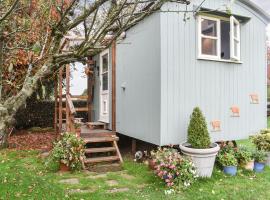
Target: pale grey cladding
<point>159,79</point>
<point>138,81</point>
<point>187,82</point>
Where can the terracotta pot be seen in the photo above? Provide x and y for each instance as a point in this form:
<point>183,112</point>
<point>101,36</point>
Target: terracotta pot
<point>78,132</point>
<point>151,164</point>
<point>249,165</point>
<point>63,167</point>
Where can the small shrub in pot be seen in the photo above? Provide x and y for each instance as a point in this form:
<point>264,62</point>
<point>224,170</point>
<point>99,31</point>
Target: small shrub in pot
<point>227,159</point>
<point>245,158</point>
<point>260,157</point>
<point>262,142</point>
<point>69,150</point>
<point>198,145</point>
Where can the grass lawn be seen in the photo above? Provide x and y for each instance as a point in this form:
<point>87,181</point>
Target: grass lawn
<point>23,176</point>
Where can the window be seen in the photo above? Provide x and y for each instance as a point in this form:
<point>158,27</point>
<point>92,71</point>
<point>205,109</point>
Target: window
<point>219,39</point>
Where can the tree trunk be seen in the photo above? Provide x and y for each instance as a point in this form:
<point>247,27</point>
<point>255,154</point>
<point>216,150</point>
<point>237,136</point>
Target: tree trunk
<point>3,127</point>
<point>3,136</point>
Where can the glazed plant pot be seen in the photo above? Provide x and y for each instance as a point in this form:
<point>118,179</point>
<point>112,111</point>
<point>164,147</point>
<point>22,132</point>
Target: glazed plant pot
<point>230,170</point>
<point>203,159</point>
<point>249,166</point>
<point>259,167</point>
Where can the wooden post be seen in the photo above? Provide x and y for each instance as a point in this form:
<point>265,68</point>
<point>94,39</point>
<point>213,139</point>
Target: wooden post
<point>89,91</point>
<point>68,119</point>
<point>60,99</point>
<point>133,146</point>
<point>55,104</point>
<point>114,86</point>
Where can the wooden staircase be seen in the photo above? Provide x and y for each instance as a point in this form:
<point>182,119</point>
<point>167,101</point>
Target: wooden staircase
<point>101,145</point>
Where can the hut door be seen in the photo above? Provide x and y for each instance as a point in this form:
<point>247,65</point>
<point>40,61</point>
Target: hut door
<point>104,86</point>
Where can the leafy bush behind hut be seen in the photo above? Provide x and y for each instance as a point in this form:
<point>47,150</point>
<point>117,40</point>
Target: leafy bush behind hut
<point>40,113</point>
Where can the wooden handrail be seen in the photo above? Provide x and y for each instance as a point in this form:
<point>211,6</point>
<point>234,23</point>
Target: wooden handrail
<point>70,104</point>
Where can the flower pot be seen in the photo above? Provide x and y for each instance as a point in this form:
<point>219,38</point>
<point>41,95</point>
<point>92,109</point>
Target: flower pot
<point>203,159</point>
<point>249,165</point>
<point>259,167</point>
<point>230,170</point>
<point>63,167</point>
<point>151,164</point>
<point>268,159</point>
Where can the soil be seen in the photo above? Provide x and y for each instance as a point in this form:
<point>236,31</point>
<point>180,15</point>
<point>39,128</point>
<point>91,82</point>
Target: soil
<point>25,140</point>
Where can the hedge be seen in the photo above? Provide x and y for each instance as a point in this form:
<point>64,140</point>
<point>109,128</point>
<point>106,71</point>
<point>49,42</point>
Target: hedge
<point>41,114</point>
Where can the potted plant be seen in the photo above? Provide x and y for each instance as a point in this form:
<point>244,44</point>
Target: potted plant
<point>245,158</point>
<point>260,159</point>
<point>262,142</point>
<point>68,152</point>
<point>198,146</point>
<point>228,161</point>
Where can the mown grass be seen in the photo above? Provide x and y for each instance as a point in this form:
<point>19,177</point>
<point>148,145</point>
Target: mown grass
<point>23,176</point>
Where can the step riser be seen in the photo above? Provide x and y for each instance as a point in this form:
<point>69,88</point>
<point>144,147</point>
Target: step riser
<point>100,150</point>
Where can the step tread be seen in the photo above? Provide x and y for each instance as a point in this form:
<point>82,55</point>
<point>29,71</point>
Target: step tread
<point>96,123</point>
<point>101,159</point>
<point>100,139</point>
<point>99,150</point>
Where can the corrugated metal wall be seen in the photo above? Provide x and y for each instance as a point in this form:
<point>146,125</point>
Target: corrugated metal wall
<point>187,82</point>
<point>138,69</point>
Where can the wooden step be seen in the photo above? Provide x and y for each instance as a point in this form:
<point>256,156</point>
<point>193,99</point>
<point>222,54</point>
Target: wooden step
<point>86,132</point>
<point>100,139</point>
<point>95,125</point>
<point>100,150</point>
<point>101,159</point>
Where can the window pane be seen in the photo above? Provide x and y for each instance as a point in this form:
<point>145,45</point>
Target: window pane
<point>235,30</point>
<point>105,63</point>
<point>225,40</point>
<point>236,43</point>
<point>209,27</point>
<point>105,81</point>
<point>209,46</point>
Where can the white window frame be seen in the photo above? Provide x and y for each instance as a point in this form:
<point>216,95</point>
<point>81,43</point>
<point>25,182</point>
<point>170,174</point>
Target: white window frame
<point>201,55</point>
<point>234,38</point>
<point>233,58</point>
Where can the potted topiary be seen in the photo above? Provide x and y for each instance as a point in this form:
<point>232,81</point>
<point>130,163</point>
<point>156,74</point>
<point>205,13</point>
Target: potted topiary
<point>228,161</point>
<point>198,146</point>
<point>260,159</point>
<point>245,158</point>
<point>68,152</point>
<point>262,142</point>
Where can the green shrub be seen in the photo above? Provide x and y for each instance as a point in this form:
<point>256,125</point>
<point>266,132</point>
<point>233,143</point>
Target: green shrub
<point>262,140</point>
<point>69,150</point>
<point>198,135</point>
<point>227,158</point>
<point>243,155</point>
<point>175,170</point>
<point>259,156</point>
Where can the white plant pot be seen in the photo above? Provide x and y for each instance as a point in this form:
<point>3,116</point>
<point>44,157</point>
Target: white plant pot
<point>268,159</point>
<point>203,159</point>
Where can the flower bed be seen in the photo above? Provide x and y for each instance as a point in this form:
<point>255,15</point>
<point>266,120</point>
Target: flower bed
<point>175,170</point>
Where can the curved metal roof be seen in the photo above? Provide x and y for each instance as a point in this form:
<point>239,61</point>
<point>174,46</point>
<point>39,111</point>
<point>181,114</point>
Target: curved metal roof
<point>256,8</point>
